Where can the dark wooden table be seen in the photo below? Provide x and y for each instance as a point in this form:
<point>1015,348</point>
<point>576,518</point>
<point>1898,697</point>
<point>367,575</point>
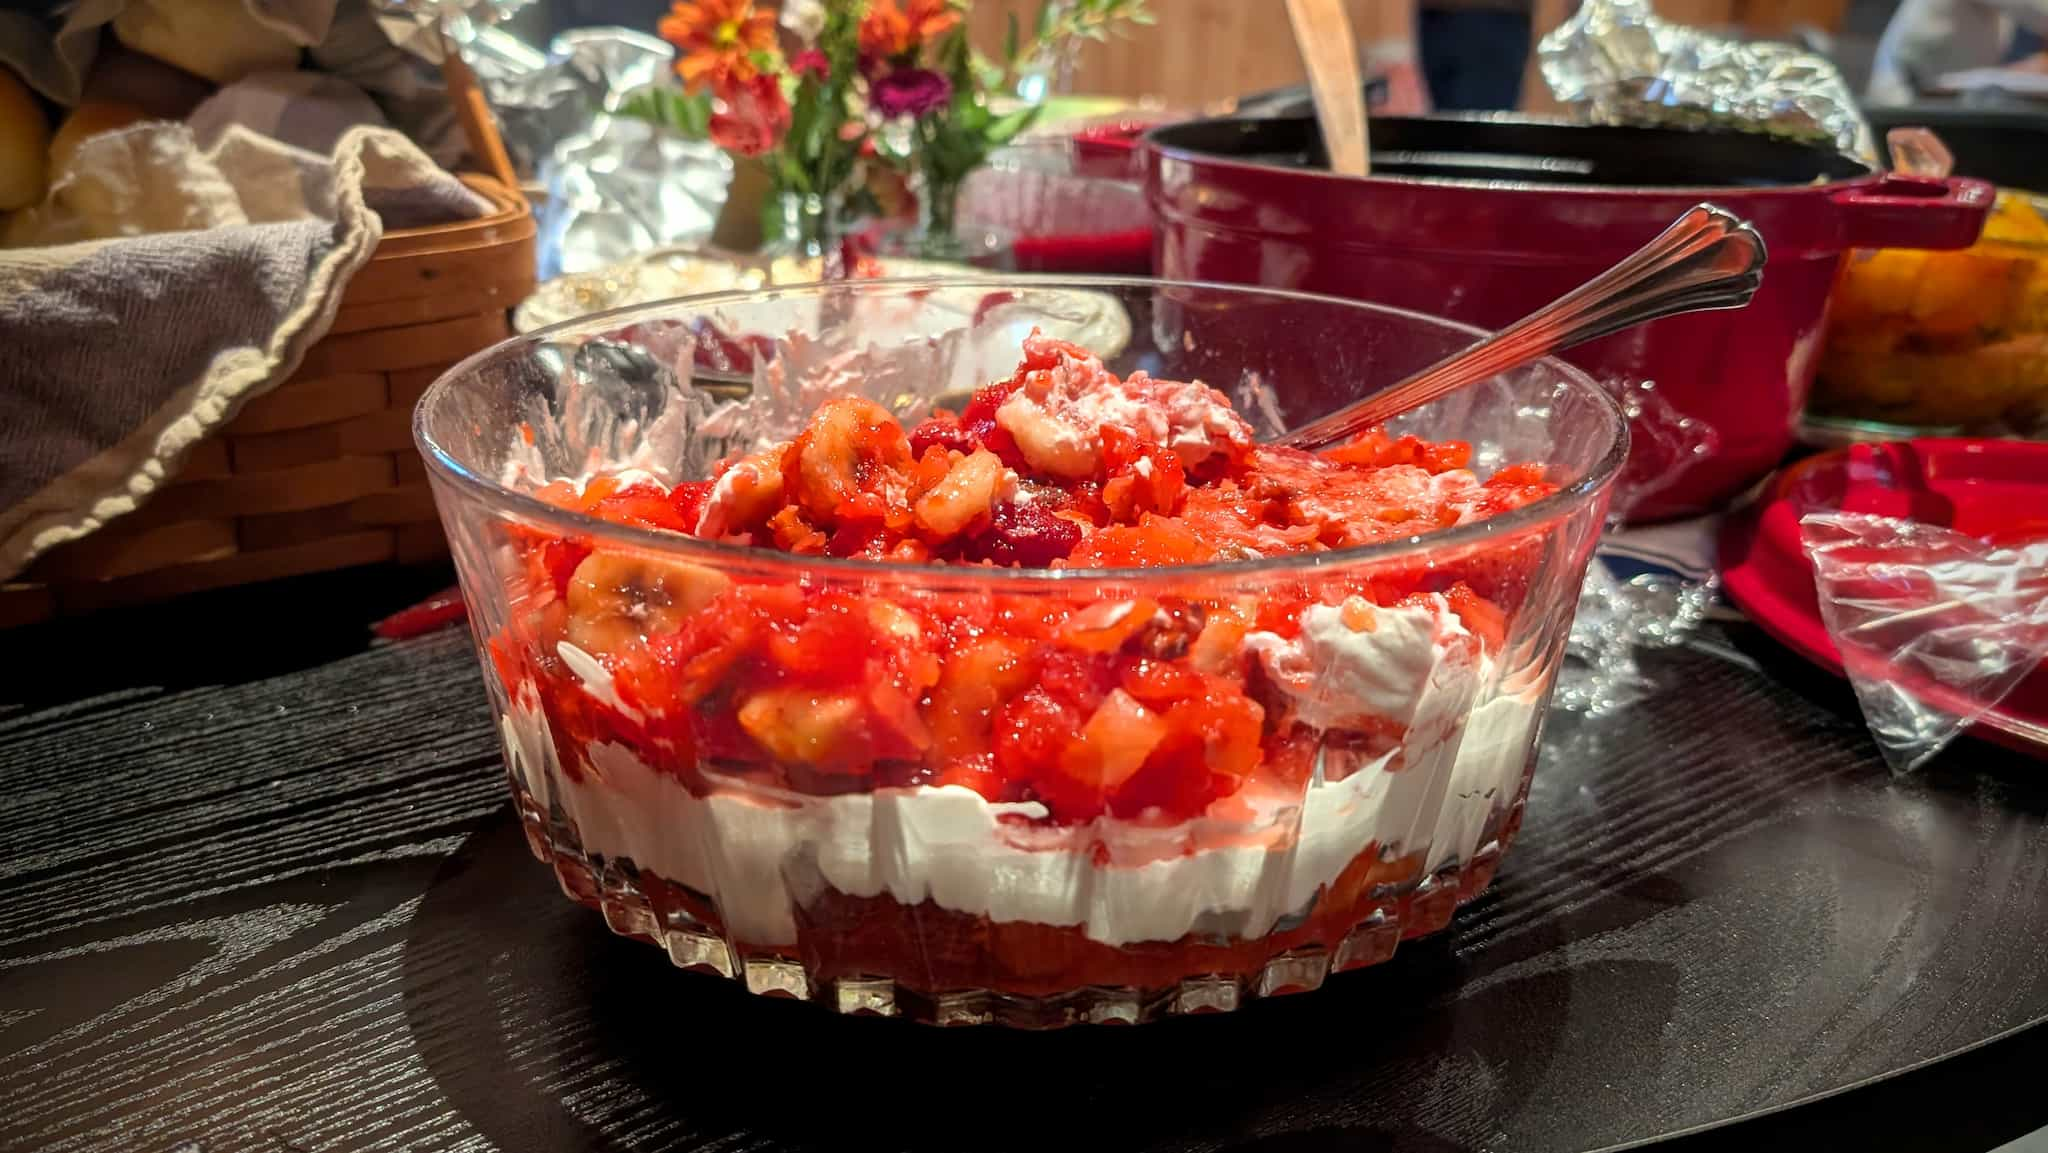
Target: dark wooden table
<point>263,891</point>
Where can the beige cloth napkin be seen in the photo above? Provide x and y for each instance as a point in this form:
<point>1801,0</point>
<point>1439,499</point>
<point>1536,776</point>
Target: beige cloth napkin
<point>165,286</point>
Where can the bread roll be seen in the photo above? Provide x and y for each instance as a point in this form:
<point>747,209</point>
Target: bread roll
<point>217,39</point>
<point>24,145</point>
<point>89,119</point>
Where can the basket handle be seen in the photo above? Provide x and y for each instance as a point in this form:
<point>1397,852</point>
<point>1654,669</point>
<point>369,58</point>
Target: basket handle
<point>473,113</point>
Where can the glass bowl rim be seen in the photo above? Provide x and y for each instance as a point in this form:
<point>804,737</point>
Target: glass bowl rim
<point>721,554</point>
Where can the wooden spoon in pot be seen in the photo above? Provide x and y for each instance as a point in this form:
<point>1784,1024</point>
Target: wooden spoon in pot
<point>1322,29</point>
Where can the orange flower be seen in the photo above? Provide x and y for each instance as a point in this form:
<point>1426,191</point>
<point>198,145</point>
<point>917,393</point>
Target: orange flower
<point>891,29</point>
<point>715,40</point>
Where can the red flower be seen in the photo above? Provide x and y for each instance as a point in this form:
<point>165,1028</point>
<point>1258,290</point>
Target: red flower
<point>716,40</point>
<point>751,116</point>
<point>910,92</point>
<point>809,62</point>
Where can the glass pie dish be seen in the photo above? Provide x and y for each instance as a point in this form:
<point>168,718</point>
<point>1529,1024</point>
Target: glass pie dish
<point>977,792</point>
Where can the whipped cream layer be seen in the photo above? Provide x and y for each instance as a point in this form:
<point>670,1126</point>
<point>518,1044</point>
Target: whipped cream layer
<point>760,853</point>
<point>1248,864</point>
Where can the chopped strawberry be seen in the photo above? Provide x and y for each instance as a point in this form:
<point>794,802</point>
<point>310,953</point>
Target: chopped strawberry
<point>642,503</point>
<point>1375,449</point>
<point>1142,477</point>
<point>1482,618</point>
<point>1031,734</point>
<point>1156,681</point>
<point>687,499</point>
<point>1153,542</point>
<point>986,401</point>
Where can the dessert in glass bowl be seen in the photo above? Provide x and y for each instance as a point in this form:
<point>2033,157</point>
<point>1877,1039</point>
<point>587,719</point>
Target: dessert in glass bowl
<point>958,650</point>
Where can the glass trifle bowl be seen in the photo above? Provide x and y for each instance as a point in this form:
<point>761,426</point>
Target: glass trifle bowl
<point>956,650</point>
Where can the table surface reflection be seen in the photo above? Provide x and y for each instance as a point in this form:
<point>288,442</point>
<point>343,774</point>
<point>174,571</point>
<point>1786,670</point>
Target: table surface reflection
<point>263,890</point>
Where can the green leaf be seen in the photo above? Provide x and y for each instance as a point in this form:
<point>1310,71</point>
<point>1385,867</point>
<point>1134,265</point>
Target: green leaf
<point>1007,128</point>
<point>681,112</point>
<point>1048,20</point>
<point>987,73</point>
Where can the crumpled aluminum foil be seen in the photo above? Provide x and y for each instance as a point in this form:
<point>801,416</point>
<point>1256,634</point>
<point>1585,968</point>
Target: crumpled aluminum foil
<point>614,187</point>
<point>611,188</point>
<point>426,28</point>
<point>623,188</point>
<point>1617,62</point>
<point>544,98</point>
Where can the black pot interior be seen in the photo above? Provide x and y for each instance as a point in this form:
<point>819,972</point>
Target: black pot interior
<point>1527,152</point>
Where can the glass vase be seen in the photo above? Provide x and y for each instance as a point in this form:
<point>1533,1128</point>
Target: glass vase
<point>810,227</point>
<point>940,235</point>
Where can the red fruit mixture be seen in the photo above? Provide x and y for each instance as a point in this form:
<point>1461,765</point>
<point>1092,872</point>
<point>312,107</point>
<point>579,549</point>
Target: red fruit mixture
<point>1140,709</point>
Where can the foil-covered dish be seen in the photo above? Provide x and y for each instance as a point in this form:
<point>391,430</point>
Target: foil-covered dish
<point>1617,62</point>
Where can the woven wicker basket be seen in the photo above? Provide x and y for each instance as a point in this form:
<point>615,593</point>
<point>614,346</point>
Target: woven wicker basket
<point>319,473</point>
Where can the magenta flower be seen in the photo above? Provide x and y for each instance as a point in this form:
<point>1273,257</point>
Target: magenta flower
<point>911,92</point>
<point>809,62</point>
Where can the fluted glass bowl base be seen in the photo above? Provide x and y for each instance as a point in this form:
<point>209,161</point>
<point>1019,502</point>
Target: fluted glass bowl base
<point>648,909</point>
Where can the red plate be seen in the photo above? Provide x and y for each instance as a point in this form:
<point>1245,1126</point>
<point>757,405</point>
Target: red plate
<point>1994,489</point>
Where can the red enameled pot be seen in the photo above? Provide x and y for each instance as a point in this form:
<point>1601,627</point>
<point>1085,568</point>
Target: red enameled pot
<point>1484,219</point>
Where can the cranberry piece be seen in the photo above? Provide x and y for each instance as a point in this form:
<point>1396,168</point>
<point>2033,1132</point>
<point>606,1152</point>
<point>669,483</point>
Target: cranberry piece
<point>997,439</point>
<point>858,538</point>
<point>1028,535</point>
<point>987,399</point>
<point>945,432</point>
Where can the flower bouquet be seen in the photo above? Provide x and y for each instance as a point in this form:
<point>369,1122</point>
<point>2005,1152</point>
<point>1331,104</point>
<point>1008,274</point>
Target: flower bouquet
<point>854,106</point>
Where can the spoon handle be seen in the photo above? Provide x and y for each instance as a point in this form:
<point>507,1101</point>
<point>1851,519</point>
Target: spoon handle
<point>1707,259</point>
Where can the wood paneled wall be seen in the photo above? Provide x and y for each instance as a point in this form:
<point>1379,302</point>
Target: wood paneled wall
<point>1203,51</point>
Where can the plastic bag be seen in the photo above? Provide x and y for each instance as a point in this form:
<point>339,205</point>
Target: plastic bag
<point>1934,626</point>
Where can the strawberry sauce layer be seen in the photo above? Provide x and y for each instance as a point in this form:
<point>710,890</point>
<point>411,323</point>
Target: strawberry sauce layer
<point>1158,707</point>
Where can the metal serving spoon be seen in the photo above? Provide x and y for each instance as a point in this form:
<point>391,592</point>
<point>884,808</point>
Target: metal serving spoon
<point>1708,259</point>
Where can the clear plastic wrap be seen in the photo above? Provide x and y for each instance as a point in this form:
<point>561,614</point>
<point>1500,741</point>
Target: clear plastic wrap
<point>1648,588</point>
<point>1617,617</point>
<point>1663,444</point>
<point>1619,63</point>
<point>1935,627</point>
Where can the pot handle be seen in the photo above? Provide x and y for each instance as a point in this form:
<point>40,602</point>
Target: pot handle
<point>1899,211</point>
